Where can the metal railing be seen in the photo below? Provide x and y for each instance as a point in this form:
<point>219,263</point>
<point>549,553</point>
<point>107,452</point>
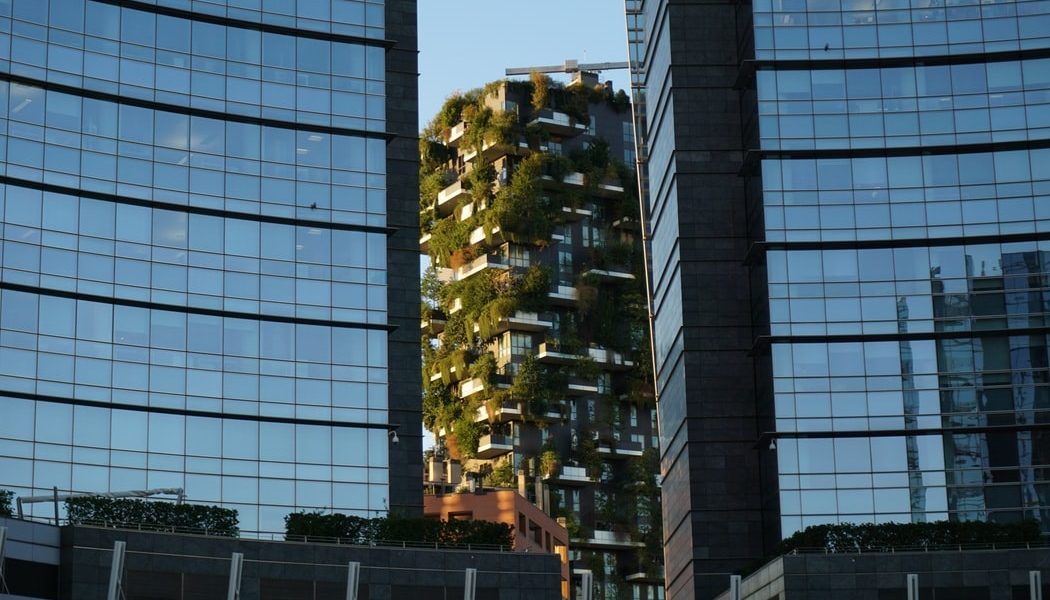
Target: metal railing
<point>925,548</point>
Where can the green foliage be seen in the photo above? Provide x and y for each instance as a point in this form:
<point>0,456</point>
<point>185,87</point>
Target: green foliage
<point>646,518</point>
<point>550,460</point>
<point>520,210</point>
<point>394,528</point>
<point>483,367</point>
<point>5,502</point>
<point>440,408</point>
<point>884,537</point>
<point>99,510</point>
<point>587,454</point>
<point>430,287</point>
<point>541,86</point>
<point>479,181</point>
<point>534,387</point>
<point>503,475</point>
<point>448,236</point>
<point>467,432</point>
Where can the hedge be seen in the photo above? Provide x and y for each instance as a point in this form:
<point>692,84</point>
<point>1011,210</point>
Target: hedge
<point>100,510</point>
<point>870,537</point>
<point>358,530</point>
<point>5,503</point>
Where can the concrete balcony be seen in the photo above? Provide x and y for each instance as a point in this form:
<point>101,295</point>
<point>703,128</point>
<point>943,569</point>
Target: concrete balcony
<point>450,198</point>
<point>609,358</point>
<point>569,475</point>
<point>575,214</point>
<point>493,237</point>
<point>557,123</point>
<point>519,321</point>
<point>572,180</point>
<point>548,354</point>
<point>610,274</point>
<point>432,325</point>
<point>578,387</point>
<point>611,540</point>
<point>621,449</point>
<point>493,445</point>
<point>508,411</point>
<point>609,190</point>
<point>424,243</point>
<point>564,295</point>
<point>455,134</point>
<point>627,224</point>
<point>479,264</point>
<point>470,387</point>
<point>456,306</point>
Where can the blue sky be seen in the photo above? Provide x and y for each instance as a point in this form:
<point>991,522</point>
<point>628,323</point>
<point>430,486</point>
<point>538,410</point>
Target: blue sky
<point>466,43</point>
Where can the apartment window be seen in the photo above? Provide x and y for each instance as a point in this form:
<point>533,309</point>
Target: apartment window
<point>521,343</point>
<point>592,126</point>
<point>633,416</point>
<point>554,147</point>
<point>628,143</point>
<point>517,256</point>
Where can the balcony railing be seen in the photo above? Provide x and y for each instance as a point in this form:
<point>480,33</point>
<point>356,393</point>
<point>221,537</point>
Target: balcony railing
<point>493,445</point>
<point>557,122</point>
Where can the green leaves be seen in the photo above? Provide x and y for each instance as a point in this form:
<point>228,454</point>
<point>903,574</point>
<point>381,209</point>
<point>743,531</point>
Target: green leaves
<point>100,510</point>
<point>394,528</point>
<point>869,537</point>
<point>5,502</point>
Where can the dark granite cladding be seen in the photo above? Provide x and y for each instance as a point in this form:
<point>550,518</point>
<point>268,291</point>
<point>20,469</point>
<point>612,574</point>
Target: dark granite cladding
<point>973,575</point>
<point>713,501</point>
<point>406,493</point>
<point>161,564</point>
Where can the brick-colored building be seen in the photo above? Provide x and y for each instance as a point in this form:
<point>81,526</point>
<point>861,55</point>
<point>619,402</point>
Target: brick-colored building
<point>534,530</point>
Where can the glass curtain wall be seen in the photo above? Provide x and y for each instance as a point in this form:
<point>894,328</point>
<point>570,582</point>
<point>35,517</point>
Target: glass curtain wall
<point>905,150</point>
<point>193,290</point>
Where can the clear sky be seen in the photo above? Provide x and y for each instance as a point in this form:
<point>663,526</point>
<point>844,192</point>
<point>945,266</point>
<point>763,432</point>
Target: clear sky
<point>464,44</point>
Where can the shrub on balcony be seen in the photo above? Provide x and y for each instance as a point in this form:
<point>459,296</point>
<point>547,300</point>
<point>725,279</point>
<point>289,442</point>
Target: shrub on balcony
<point>5,502</point>
<point>100,510</point>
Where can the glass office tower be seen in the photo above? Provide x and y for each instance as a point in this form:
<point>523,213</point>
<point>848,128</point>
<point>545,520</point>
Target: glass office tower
<point>849,205</point>
<point>203,253</point>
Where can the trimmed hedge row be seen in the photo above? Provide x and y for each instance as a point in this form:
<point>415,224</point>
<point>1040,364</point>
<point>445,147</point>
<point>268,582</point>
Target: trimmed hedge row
<point>394,528</point>
<point>870,537</point>
<point>97,510</point>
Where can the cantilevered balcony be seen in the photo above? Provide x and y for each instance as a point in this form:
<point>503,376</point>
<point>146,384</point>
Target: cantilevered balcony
<point>575,214</point>
<point>470,387</point>
<point>424,243</point>
<point>610,540</point>
<point>564,295</point>
<point>627,224</point>
<point>450,198</point>
<point>479,264</point>
<point>519,321</point>
<point>580,387</point>
<point>455,134</point>
<point>433,323</point>
<point>547,353</point>
<point>492,237</point>
<point>609,358</point>
<point>611,273</point>
<point>506,411</point>
<point>493,445</point>
<point>569,475</point>
<point>557,123</point>
<point>620,449</point>
<point>570,180</point>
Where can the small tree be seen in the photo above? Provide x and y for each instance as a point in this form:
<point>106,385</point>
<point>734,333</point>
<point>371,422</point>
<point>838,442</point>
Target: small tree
<point>5,502</point>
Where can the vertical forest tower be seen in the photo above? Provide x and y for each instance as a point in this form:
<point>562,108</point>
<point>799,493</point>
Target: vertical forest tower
<point>537,362</point>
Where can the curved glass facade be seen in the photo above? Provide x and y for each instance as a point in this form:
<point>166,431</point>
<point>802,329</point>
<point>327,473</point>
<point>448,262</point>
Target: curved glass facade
<point>906,268</point>
<point>195,252</point>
